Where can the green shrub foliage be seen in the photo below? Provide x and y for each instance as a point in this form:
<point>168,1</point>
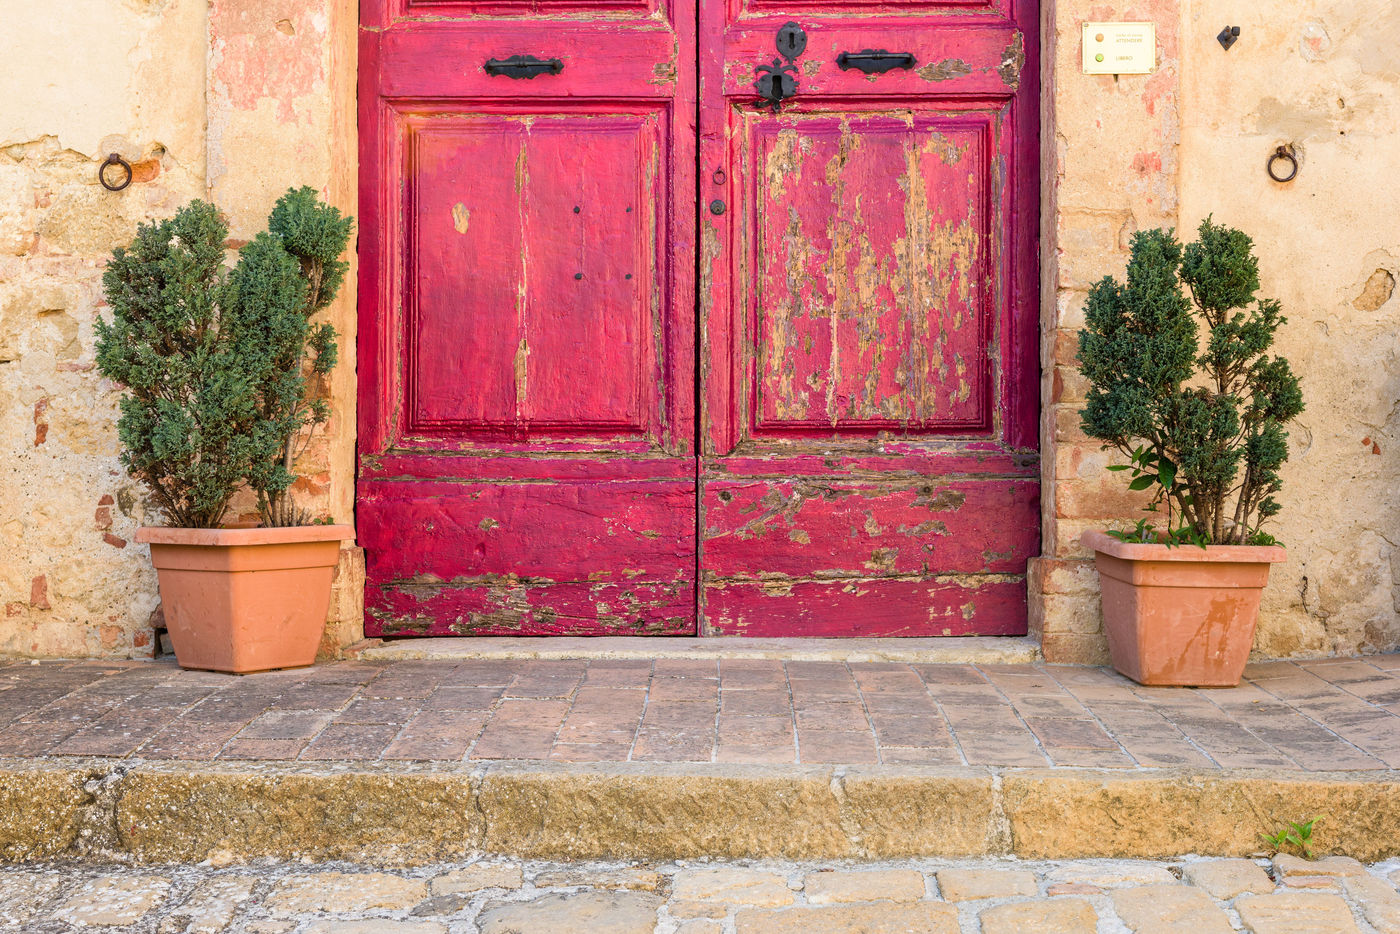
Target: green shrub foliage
<point>220,366</point>
<point>1202,426</point>
<point>282,278</point>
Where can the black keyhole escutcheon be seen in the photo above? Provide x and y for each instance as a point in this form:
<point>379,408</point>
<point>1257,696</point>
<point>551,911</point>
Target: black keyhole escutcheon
<point>791,41</point>
<point>716,207</point>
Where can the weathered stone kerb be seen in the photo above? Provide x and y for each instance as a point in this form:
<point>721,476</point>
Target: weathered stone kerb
<point>171,812</point>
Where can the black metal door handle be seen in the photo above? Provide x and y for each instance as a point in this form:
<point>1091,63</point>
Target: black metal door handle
<point>875,61</point>
<point>523,66</point>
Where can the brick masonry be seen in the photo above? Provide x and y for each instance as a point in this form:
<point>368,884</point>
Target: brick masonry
<point>1328,715</point>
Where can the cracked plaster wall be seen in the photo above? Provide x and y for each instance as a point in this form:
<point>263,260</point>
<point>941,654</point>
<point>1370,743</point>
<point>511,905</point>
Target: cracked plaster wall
<point>1192,140</point>
<point>232,100</point>
<point>237,99</point>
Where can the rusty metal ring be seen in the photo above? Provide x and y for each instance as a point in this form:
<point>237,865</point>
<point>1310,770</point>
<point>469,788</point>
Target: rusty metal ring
<point>719,178</point>
<point>1280,154</point>
<point>114,159</point>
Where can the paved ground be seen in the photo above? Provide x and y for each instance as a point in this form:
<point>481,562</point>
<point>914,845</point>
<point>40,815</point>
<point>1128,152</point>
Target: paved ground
<point>1191,896</point>
<point>1336,714</point>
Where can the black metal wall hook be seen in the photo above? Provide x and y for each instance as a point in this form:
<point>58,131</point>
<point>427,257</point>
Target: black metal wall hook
<point>111,160</point>
<point>1284,153</point>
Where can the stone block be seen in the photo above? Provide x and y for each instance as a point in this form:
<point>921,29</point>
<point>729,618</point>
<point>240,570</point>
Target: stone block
<point>1061,576</point>
<point>113,901</point>
<point>886,918</point>
<point>183,814</point>
<point>711,910</point>
<point>1295,913</point>
<point>1226,878</point>
<point>1074,615</point>
<point>1170,909</point>
<point>732,887</point>
<point>476,877</point>
<point>41,811</point>
<point>893,885</point>
<point>344,891</point>
<point>958,885</point>
<point>376,926</point>
<point>1378,901</point>
<point>1069,813</point>
<point>211,907</point>
<point>641,880</point>
<point>700,927</point>
<point>24,893</point>
<point>930,813</point>
<point>646,814</point>
<point>1112,875</point>
<point>1042,916</point>
<point>594,912</point>
<point>1091,246</point>
<point>1073,648</point>
<point>1286,864</point>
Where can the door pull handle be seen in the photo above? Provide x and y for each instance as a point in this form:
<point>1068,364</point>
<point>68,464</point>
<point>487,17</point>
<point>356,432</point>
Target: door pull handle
<point>875,61</point>
<point>523,66</point>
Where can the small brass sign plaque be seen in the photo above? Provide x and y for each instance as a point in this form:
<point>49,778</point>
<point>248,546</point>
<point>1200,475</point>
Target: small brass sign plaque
<point>1120,48</point>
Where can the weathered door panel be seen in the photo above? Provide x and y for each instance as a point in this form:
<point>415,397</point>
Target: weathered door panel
<point>866,608</point>
<point>868,420</point>
<point>527,324</point>
<point>451,561</point>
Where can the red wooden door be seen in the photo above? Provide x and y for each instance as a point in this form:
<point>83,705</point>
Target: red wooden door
<point>869,418</point>
<point>528,366</point>
<point>527,422</point>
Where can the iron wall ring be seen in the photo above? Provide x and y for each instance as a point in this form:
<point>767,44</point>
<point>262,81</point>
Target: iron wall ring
<point>1283,154</point>
<point>112,160</point>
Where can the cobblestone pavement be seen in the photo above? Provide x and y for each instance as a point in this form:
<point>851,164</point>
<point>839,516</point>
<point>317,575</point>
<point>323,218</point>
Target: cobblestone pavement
<point>1193,896</point>
<point>1334,714</point>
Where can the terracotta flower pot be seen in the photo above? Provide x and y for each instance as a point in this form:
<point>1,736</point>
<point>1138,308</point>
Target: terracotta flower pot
<point>1181,615</point>
<point>243,600</point>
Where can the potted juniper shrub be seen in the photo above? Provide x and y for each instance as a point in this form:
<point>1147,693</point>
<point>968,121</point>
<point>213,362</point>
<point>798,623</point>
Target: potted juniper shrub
<point>220,368</point>
<point>1199,417</point>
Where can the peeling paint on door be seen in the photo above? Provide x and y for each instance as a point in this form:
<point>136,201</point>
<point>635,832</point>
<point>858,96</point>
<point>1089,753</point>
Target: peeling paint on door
<point>870,461</point>
<point>863,460</point>
<point>527,320</point>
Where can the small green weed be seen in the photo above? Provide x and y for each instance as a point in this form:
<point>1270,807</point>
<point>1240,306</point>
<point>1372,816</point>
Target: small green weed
<point>1297,834</point>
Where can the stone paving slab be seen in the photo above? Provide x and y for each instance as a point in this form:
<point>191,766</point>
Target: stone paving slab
<point>1326,715</point>
<point>530,897</point>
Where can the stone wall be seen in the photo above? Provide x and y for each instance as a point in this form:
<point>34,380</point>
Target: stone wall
<point>228,100</point>
<point>237,99</point>
<point>1167,149</point>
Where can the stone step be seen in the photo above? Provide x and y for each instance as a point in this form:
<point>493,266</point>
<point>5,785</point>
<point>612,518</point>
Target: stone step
<point>187,812</point>
<point>984,650</point>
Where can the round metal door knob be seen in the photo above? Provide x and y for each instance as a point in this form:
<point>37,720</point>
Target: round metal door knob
<point>716,207</point>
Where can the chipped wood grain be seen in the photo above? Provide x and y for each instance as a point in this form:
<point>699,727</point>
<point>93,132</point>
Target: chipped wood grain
<point>527,412</point>
<point>868,405</point>
<point>863,457</point>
